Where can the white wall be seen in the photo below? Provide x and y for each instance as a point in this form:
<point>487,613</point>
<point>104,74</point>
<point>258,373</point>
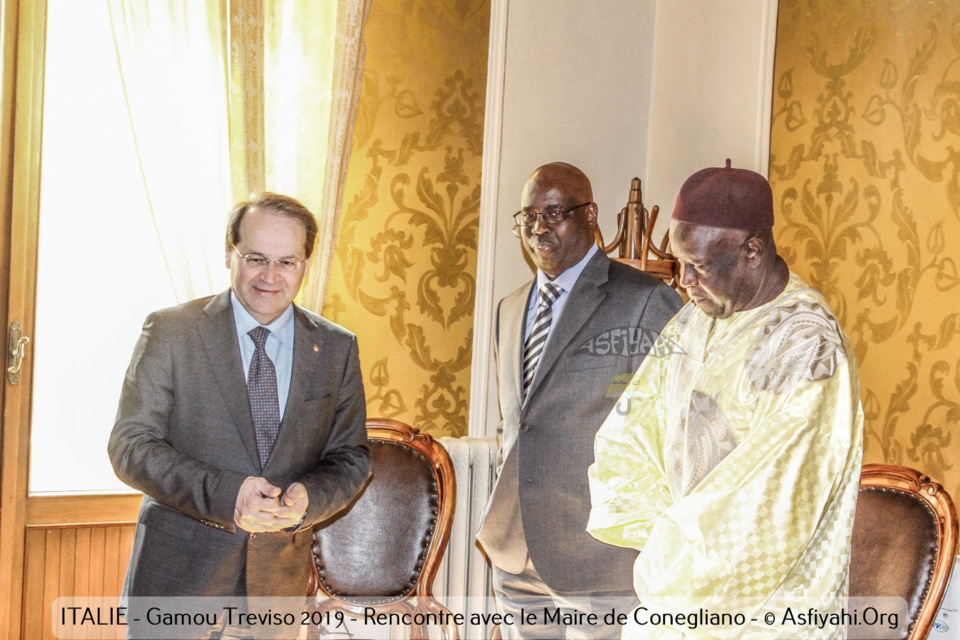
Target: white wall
<point>576,89</point>
<point>712,85</point>
<point>620,88</point>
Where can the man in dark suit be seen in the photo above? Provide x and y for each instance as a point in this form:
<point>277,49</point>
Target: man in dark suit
<point>242,421</point>
<point>563,341</point>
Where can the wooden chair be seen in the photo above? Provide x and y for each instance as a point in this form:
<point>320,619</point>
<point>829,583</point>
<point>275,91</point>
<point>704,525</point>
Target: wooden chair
<point>634,240</point>
<point>384,551</point>
<point>904,542</point>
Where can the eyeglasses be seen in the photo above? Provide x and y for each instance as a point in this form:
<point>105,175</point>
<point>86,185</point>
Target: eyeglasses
<point>551,216</point>
<point>257,261</point>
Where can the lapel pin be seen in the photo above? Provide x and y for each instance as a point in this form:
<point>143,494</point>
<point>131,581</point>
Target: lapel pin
<point>316,349</point>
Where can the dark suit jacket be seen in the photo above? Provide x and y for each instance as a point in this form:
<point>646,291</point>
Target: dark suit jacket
<point>184,436</point>
<point>542,496</point>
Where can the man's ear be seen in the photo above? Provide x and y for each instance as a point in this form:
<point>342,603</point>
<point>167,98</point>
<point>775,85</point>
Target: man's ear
<point>754,248</point>
<point>591,212</point>
<point>228,254</point>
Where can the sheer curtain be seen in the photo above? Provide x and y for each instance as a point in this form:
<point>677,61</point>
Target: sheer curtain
<point>171,63</point>
<point>229,97</point>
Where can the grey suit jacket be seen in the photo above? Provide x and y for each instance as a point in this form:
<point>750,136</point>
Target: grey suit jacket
<point>541,501</point>
<point>184,436</point>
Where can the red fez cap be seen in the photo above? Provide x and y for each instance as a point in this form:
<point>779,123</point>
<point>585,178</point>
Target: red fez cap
<point>726,198</point>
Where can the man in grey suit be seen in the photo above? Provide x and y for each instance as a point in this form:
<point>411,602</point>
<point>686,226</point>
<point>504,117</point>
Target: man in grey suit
<point>242,420</point>
<point>562,341</point>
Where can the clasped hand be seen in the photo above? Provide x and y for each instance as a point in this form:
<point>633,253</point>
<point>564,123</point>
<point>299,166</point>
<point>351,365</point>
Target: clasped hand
<point>262,507</point>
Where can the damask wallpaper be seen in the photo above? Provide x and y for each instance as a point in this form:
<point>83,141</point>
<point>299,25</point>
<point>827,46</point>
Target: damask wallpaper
<point>404,274</point>
<point>865,157</point>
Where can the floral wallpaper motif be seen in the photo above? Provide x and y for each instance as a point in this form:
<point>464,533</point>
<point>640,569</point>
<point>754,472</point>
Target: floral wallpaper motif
<point>865,157</point>
<point>404,274</point>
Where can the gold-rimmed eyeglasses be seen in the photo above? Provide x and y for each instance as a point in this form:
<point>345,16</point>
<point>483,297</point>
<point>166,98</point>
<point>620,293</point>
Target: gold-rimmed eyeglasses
<point>257,261</point>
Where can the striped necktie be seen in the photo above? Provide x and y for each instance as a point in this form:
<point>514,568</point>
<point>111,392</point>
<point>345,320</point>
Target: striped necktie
<point>532,351</point>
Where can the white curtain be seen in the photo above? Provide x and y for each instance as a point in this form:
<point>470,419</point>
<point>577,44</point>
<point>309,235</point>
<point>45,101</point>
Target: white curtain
<point>230,97</point>
<point>171,63</point>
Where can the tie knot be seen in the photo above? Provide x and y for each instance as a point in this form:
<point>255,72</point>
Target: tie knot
<point>259,336</point>
<point>549,292</point>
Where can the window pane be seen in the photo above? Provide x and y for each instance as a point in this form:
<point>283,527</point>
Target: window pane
<point>100,270</point>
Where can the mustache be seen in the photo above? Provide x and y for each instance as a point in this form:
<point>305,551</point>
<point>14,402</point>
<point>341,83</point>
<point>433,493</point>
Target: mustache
<point>538,243</point>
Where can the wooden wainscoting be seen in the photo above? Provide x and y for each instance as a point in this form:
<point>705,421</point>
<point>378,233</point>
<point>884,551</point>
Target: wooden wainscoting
<point>74,546</point>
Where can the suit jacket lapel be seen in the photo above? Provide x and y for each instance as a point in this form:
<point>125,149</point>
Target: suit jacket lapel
<point>219,334</point>
<point>580,305</point>
<point>304,360</point>
<point>513,320</point>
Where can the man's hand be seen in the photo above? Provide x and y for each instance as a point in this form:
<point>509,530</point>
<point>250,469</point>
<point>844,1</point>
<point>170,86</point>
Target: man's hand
<point>262,507</point>
<point>293,505</point>
<point>257,506</point>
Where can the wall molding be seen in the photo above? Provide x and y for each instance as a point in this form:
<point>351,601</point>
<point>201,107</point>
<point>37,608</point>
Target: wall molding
<point>82,510</point>
<point>478,424</point>
<point>768,49</point>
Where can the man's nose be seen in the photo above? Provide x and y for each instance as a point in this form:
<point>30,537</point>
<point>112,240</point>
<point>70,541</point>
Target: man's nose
<point>687,277</point>
<point>271,273</point>
<point>539,226</point>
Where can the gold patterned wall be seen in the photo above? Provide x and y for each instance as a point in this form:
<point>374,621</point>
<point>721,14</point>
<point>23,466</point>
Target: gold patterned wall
<point>865,157</point>
<point>406,256</point>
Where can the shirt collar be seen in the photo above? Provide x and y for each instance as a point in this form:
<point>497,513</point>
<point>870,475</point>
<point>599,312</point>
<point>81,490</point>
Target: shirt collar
<point>281,328</point>
<point>568,278</point>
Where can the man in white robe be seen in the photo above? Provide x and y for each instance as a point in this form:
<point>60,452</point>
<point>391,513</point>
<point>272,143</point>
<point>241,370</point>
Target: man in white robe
<point>732,460</point>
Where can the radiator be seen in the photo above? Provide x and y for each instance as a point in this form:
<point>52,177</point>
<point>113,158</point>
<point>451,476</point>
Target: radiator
<point>463,581</point>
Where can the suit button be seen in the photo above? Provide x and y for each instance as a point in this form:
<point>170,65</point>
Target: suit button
<point>524,426</point>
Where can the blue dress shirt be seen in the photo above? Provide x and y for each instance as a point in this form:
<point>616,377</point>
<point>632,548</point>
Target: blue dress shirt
<point>279,345</point>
